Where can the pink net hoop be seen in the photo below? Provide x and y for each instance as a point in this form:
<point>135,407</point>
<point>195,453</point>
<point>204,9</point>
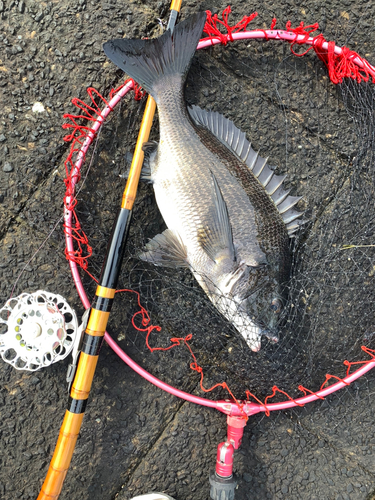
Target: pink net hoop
<point>228,407</point>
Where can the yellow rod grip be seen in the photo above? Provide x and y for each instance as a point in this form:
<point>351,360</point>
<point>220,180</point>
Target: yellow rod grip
<point>69,431</point>
<point>106,293</point>
<point>176,5</point>
<point>84,376</point>
<point>62,456</point>
<point>97,322</point>
<point>130,191</point>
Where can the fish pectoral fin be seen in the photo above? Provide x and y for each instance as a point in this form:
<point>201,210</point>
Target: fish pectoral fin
<point>255,259</point>
<point>216,238</point>
<point>232,279</point>
<point>149,147</point>
<point>146,168</point>
<point>166,249</point>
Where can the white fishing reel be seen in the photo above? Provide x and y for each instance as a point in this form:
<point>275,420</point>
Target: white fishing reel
<point>36,330</point>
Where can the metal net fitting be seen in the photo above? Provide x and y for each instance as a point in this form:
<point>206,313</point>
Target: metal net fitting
<point>36,330</point>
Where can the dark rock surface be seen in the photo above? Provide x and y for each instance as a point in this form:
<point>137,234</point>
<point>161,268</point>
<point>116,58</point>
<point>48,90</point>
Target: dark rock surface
<point>135,438</point>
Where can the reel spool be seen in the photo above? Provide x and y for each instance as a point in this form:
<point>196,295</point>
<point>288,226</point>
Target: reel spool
<point>36,330</point>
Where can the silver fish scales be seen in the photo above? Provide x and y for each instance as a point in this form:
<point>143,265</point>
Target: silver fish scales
<point>227,214</point>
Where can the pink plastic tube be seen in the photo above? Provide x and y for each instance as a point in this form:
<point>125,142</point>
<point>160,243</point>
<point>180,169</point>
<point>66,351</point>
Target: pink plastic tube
<point>287,36</point>
<point>228,407</point>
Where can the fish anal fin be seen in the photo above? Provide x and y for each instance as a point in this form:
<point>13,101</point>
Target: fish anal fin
<point>165,249</point>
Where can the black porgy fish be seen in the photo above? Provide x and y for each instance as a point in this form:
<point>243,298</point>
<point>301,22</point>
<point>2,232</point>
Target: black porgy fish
<point>228,217</point>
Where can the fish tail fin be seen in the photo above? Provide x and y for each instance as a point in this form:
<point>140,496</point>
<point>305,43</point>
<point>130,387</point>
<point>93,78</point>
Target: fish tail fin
<point>148,62</point>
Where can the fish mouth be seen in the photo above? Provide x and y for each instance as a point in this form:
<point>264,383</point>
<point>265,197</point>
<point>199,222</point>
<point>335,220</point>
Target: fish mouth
<point>271,335</point>
<point>255,344</point>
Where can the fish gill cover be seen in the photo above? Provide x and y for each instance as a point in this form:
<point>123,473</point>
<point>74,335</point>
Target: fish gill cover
<point>321,136</point>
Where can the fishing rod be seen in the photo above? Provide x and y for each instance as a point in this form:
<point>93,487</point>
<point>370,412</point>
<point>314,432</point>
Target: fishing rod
<point>100,311</point>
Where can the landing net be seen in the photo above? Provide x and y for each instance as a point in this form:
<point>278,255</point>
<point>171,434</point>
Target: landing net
<point>322,136</point>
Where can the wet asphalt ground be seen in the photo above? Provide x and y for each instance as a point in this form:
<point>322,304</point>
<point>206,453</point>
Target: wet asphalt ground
<point>136,438</point>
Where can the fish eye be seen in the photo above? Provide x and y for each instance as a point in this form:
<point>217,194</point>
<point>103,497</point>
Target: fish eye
<point>276,306</point>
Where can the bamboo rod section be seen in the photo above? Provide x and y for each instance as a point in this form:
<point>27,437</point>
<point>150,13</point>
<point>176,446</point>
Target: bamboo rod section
<point>99,313</point>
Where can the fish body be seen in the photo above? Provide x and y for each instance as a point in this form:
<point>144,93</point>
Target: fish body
<point>223,223</point>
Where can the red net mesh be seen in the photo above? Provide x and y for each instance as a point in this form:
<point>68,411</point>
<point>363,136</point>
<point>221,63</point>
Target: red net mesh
<point>77,124</point>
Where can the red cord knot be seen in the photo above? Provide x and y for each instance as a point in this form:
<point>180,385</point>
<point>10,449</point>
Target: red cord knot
<point>301,30</point>
<point>273,24</point>
<point>368,351</point>
<point>328,377</point>
<point>275,390</point>
<point>145,320</point>
<point>194,366</point>
<point>139,93</point>
<point>342,63</point>
<point>251,395</point>
<point>305,391</point>
<point>213,23</point>
<point>137,89</point>
<point>348,64</point>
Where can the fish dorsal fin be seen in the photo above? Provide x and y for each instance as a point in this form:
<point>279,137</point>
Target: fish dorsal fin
<point>217,239</point>
<point>235,140</point>
<point>165,249</point>
<point>227,133</point>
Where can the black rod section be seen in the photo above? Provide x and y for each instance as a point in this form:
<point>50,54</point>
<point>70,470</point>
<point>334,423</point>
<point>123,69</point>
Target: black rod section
<point>115,250</point>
